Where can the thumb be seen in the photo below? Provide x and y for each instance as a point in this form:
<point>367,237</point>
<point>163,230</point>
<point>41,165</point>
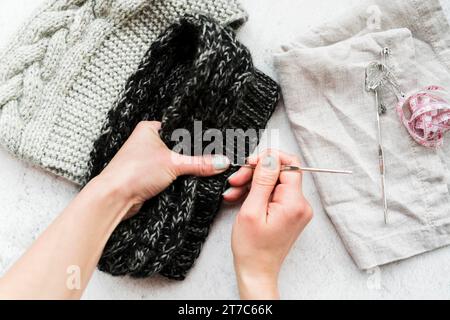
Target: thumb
<point>205,166</point>
<point>264,181</point>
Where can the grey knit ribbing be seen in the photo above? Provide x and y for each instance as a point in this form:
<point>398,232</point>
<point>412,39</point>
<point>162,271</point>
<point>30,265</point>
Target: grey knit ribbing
<point>63,72</point>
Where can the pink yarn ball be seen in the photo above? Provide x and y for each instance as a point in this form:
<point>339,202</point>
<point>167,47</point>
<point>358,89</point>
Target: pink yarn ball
<point>426,115</point>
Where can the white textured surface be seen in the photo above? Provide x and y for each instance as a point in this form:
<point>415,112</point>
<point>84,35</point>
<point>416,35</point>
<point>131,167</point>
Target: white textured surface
<point>317,268</point>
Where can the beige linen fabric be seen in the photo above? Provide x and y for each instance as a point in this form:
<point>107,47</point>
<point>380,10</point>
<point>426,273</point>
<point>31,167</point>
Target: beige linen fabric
<point>334,119</point>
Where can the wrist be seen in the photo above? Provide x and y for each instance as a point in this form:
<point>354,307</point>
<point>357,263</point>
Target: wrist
<point>112,194</point>
<point>257,285</point>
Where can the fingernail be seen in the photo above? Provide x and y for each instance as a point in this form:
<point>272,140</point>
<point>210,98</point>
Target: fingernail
<point>227,192</point>
<point>220,163</point>
<point>232,176</point>
<point>251,160</point>
<point>269,162</point>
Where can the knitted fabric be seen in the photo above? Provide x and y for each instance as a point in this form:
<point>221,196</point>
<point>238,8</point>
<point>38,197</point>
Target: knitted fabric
<point>196,71</point>
<point>67,67</point>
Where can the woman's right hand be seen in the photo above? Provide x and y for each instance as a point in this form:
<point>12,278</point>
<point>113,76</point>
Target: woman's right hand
<point>269,222</point>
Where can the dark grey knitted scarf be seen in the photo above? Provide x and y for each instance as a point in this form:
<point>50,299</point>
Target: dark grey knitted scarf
<point>195,71</point>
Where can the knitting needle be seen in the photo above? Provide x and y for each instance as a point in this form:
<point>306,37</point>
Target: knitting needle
<point>299,169</point>
<point>384,58</point>
<point>381,160</point>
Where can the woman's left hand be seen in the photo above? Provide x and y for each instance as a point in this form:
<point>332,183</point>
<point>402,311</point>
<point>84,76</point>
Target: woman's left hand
<point>68,251</point>
<point>144,166</point>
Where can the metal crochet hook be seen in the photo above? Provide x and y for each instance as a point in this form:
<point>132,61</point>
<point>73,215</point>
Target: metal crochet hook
<point>299,169</point>
<point>381,162</point>
<point>377,75</point>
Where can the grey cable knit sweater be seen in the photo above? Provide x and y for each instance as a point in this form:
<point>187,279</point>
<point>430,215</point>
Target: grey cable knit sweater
<point>67,67</point>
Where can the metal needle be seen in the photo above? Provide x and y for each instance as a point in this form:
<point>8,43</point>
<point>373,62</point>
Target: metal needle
<point>300,169</point>
<point>381,160</point>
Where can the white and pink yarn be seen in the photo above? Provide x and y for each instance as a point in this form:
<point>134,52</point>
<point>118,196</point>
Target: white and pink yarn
<point>426,115</point>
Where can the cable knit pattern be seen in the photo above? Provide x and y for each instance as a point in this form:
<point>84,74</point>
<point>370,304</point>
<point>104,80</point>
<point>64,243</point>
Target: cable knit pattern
<point>63,72</point>
<point>196,71</point>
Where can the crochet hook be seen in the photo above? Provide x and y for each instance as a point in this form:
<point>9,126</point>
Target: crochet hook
<point>381,160</point>
<point>299,169</point>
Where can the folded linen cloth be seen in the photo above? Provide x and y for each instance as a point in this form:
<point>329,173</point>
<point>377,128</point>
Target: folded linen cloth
<point>322,75</point>
<point>196,71</point>
<point>66,68</point>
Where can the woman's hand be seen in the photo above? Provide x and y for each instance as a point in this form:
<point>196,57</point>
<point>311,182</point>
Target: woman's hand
<point>61,262</point>
<point>271,218</point>
<point>144,166</point>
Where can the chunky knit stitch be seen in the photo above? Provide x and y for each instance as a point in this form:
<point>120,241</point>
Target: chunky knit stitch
<point>196,71</point>
<point>68,65</point>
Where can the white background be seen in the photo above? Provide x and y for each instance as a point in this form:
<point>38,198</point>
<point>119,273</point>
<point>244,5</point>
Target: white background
<point>318,266</point>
